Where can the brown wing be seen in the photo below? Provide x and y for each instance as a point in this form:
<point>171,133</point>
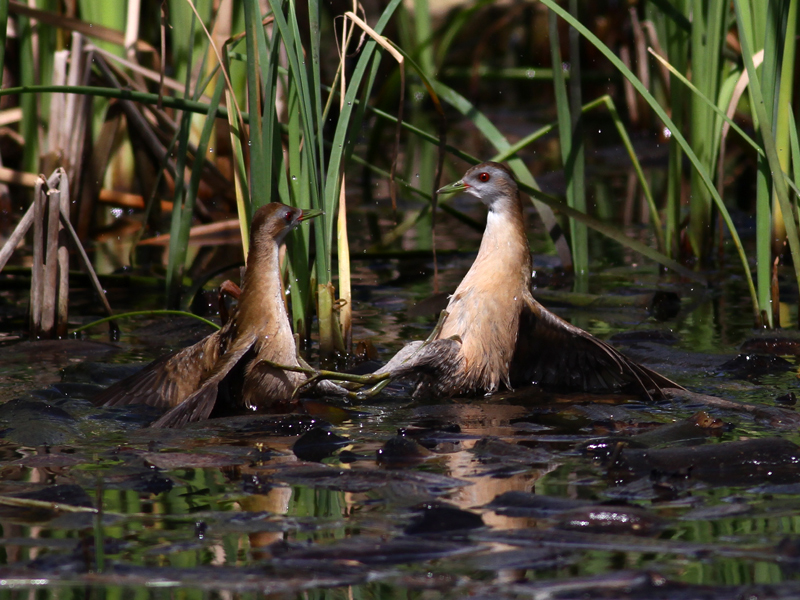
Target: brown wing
<point>561,357</point>
<point>168,380</point>
<point>198,405</point>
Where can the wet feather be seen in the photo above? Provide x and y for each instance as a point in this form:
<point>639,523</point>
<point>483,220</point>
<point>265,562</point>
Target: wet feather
<point>189,382</point>
<point>496,335</point>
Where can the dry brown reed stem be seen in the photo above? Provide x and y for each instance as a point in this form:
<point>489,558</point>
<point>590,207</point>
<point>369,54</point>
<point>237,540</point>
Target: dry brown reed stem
<point>49,215</point>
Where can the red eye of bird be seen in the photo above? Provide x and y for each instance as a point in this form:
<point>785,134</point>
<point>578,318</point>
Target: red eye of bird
<point>484,177</point>
<point>288,216</point>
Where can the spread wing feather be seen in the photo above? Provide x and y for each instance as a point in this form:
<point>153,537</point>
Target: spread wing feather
<point>196,407</point>
<point>559,356</point>
<point>169,380</point>
<point>164,382</point>
<point>200,403</point>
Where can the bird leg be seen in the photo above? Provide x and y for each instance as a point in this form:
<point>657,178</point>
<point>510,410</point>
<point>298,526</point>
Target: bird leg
<point>434,335</point>
<point>436,330</point>
<point>408,356</point>
<point>384,379</point>
<point>377,381</point>
<point>295,369</point>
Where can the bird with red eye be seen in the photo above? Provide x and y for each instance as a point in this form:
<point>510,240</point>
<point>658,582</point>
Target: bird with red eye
<point>236,363</point>
<point>495,335</point>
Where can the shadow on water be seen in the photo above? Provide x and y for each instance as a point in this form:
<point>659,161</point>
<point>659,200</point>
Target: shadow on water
<point>518,495</point>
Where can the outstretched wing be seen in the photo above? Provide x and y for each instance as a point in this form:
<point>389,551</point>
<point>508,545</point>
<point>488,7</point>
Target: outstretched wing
<point>170,379</point>
<point>199,404</point>
<point>166,381</point>
<point>561,357</point>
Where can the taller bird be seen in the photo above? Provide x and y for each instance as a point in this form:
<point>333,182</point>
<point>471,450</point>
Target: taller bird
<point>496,335</point>
<point>188,382</point>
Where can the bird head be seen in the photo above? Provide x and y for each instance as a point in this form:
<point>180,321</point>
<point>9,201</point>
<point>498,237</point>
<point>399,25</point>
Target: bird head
<point>275,220</point>
<point>491,182</point>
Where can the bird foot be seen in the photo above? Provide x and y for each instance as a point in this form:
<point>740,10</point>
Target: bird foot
<point>365,394</point>
<point>376,381</point>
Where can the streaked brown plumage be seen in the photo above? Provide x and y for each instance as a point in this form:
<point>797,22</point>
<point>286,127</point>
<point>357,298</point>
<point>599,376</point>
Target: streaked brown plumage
<point>496,335</point>
<point>187,382</point>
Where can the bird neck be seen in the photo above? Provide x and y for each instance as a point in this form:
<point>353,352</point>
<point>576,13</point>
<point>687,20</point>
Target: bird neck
<point>261,301</point>
<point>504,247</point>
<point>485,308</point>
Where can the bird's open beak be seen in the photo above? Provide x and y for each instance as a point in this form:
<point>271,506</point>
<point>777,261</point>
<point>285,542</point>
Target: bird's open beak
<point>458,186</point>
<point>310,214</point>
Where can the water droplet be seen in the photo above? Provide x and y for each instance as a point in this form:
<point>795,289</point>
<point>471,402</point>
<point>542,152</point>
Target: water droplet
<point>531,73</point>
<point>294,177</point>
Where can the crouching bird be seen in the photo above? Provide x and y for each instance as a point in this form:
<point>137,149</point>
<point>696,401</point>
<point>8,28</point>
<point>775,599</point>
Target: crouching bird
<point>496,335</point>
<point>242,354</point>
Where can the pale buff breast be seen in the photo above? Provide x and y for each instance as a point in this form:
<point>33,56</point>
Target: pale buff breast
<point>484,314</point>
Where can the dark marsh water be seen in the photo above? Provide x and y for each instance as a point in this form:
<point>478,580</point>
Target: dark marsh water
<point>518,495</point>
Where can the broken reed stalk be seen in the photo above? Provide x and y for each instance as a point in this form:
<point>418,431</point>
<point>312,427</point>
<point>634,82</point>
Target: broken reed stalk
<point>49,215</point>
<point>37,268</point>
<point>60,203</point>
<point>52,269</point>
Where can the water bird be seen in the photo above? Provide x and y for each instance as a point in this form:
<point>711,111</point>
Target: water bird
<point>494,334</point>
<point>254,339</point>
